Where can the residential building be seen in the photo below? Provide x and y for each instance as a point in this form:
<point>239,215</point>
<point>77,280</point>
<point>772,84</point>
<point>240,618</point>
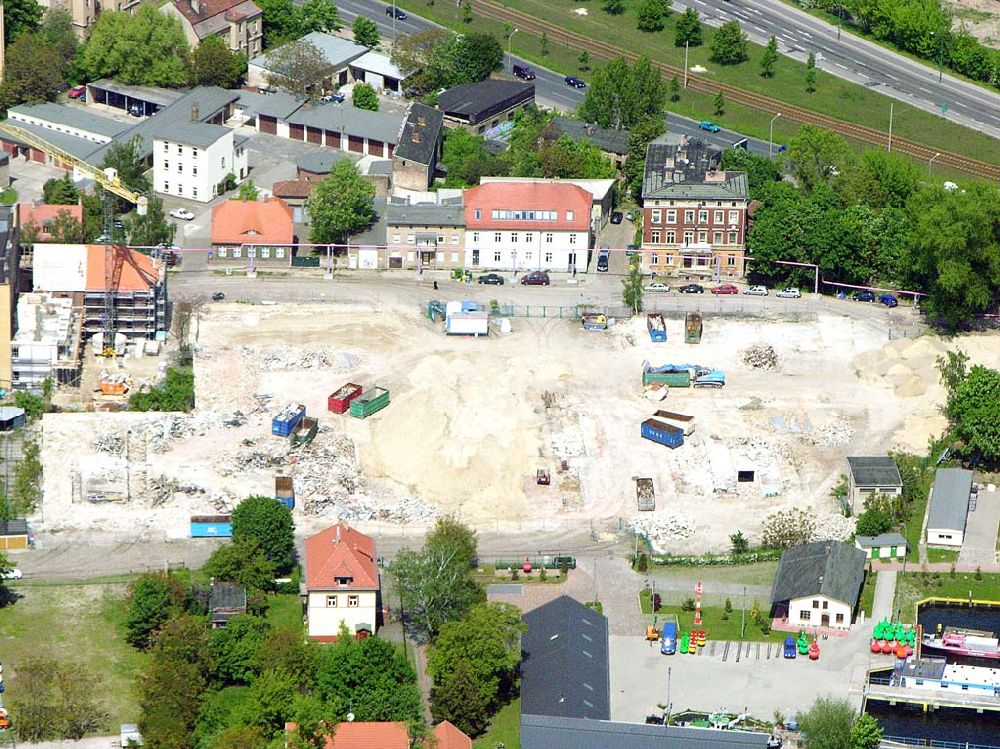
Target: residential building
<point>48,342</point>
<point>367,735</point>
<point>366,248</point>
<point>252,233</point>
<point>193,159</point>
<point>415,159</point>
<point>10,263</point>
<point>342,584</point>
<point>239,23</point>
<point>82,12</point>
<point>295,194</point>
<point>487,107</point>
<point>868,476</point>
<point>564,671</point>
<point>424,236</point>
<point>548,732</point>
<point>694,213</point>
<point>535,226</point>
<point>818,584</point>
<point>602,194</point>
<point>225,600</point>
<point>883,546</point>
<point>35,221</point>
<point>949,506</point>
<point>613,143</point>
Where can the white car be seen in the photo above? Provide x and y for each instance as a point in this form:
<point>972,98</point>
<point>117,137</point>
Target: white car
<point>656,287</point>
<point>790,293</point>
<point>756,291</point>
<point>182,213</point>
<point>12,574</point>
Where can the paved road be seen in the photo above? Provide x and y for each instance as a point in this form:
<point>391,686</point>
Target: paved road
<point>979,544</point>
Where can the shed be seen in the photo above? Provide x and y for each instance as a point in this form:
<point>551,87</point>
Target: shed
<point>226,600</point>
<point>11,418</point>
<point>884,546</point>
<point>14,534</point>
<point>949,506</point>
<point>870,475</point>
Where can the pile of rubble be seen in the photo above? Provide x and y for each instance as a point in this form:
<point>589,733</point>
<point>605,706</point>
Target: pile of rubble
<point>761,356</point>
<point>251,457</point>
<point>178,426</point>
<point>832,434</point>
<point>661,527</point>
<point>834,526</point>
<point>276,360</point>
<point>161,489</point>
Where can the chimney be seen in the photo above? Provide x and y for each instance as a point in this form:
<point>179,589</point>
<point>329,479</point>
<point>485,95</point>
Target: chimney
<point>337,539</point>
<point>421,121</point>
<point>416,137</point>
<point>194,113</point>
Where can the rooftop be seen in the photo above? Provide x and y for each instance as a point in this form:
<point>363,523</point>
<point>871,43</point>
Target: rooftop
<point>421,133</point>
<point>950,499</point>
<point>374,234</point>
<point>260,222</point>
<point>829,568</point>
<point>154,94</point>
<point>545,732</point>
<point>16,527</point>
<point>280,104</point>
<point>340,552</point>
<point>477,101</point>
<point>292,188</point>
<point>226,600</point>
<point>447,736</point>
<point>560,197</point>
<point>680,168</point>
<point>879,470</point>
<point>376,62</point>
<point>611,141</point>
<point>337,51</point>
<point>924,668</point>
<point>424,214</point>
<point>885,539</point>
<point>369,736</point>
<point>197,134</point>
<point>343,118</point>
<point>598,188</point>
<point>42,215</point>
<point>320,160</point>
<point>70,116</point>
<point>212,16</point>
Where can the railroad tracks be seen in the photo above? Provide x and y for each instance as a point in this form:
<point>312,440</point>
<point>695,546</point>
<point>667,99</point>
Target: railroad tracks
<point>605,51</point>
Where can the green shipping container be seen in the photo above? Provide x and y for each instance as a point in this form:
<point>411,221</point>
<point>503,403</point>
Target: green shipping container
<point>670,379</point>
<point>368,403</point>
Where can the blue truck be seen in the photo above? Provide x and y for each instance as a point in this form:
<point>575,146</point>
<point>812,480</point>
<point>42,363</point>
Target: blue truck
<point>668,636</point>
<point>662,433</point>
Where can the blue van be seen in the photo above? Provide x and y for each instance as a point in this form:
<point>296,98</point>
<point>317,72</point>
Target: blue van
<point>668,638</point>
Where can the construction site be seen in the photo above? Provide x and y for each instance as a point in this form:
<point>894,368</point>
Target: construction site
<point>536,428</point>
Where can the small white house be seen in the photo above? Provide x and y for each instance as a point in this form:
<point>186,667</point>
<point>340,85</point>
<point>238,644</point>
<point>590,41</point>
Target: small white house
<point>884,546</point>
<point>867,476</point>
<point>191,159</point>
<point>818,584</point>
<point>949,507</point>
<point>342,584</point>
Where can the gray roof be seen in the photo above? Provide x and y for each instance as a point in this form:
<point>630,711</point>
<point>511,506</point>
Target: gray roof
<point>227,596</point>
<point>829,568</point>
<point>474,102</point>
<point>81,148</point>
<point>611,141</point>
<point>343,118</point>
<point>337,51</point>
<point>425,214</point>
<point>564,671</point>
<point>154,94</point>
<point>198,134</point>
<point>874,471</point>
<point>76,117</point>
<point>280,104</point>
<point>320,160</point>
<point>950,499</point>
<point>15,527</point>
<point>374,234</point>
<point>680,169</point>
<point>925,668</point>
<point>546,732</point>
<point>884,539</point>
<point>425,124</point>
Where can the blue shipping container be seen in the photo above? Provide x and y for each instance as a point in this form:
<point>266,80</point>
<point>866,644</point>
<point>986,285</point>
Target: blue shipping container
<point>663,434</point>
<point>212,526</point>
<point>284,423</point>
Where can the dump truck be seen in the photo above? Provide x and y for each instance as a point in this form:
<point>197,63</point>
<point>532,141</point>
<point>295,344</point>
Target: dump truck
<point>594,322</point>
<point>682,375</point>
<point>645,495</point>
<point>368,403</point>
<point>681,421</point>
<point>657,327</point>
<point>692,327</point>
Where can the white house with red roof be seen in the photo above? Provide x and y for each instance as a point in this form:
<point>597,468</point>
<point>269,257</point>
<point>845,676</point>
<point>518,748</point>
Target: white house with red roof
<point>342,584</point>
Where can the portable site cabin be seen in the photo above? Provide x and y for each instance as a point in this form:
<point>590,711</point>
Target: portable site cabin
<point>465,318</point>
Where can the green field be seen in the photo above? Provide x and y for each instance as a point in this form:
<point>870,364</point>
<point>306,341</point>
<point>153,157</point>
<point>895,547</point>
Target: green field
<point>846,101</point>
<point>915,586</point>
<point>868,593</point>
<point>504,730</point>
<point>942,555</point>
<point>761,573</point>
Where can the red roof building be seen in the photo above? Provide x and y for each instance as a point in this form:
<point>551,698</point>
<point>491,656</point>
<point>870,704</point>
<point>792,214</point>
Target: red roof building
<point>239,23</point>
<point>342,584</point>
<point>42,216</point>
<point>385,735</point>
<point>252,232</point>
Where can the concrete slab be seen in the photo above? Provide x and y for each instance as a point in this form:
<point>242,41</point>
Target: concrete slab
<point>979,545</point>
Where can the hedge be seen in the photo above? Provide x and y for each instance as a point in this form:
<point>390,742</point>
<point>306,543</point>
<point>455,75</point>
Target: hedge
<point>751,557</point>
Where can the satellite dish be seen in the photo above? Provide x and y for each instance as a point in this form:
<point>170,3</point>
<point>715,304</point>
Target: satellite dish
<point>350,717</point>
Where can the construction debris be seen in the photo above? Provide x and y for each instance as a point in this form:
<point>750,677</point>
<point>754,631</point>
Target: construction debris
<point>760,356</point>
<point>659,528</point>
<point>276,360</point>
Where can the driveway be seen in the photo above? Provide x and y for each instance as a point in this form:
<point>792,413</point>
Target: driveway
<point>617,237</point>
<point>979,546</point>
<point>28,177</point>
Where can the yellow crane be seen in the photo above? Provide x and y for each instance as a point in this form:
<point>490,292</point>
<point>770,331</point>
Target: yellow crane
<point>114,256</point>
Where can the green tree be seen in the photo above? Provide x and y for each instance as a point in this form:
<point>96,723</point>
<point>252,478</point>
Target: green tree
<point>147,48</point>
<point>125,157</point>
<point>827,724</point>
<point>873,522</point>
<point>815,155</point>
<point>688,29</point>
<point>739,543</point>
<point>566,158</point>
<point>761,171</point>
<point>212,63</point>
<point>57,700</point>
<point>787,528</point>
<point>300,68</point>
<point>866,733</point>
<point>584,60</point>
<point>175,393</point>
<point>65,227</point>
<point>319,15</point>
<point>60,191</point>
<point>268,523</point>
<point>467,12</point>
<point>20,17</point>
<point>366,32</point>
<point>460,701</point>
<point>242,562</point>
<point>769,58</point>
<point>32,72</point>
<point>56,31</point>
<point>340,204</point>
<point>234,648</point>
<point>151,229</point>
<point>282,21</point>
<point>675,89</point>
<point>466,158</point>
<point>720,104</point>
<point>445,59</point>
<point>729,46</point>
<point>632,289</point>
<point>652,14</point>
<point>613,7</point>
<point>152,600</point>
<point>285,650</point>
<point>975,414</point>
<point>953,368</point>
<point>545,44</point>
<point>811,73</point>
<point>451,534</point>
<point>248,191</point>
<point>240,737</point>
<point>365,97</point>
<point>635,162</point>
<point>270,701</point>
<point>26,491</point>
<point>880,179</point>
<point>621,96</point>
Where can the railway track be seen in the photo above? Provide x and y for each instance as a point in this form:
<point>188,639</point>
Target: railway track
<point>605,51</point>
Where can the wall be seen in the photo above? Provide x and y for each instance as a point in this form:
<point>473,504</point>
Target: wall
<point>411,175</point>
<point>7,297</point>
<point>324,621</point>
<point>531,250</point>
<point>797,605</point>
<point>945,536</point>
<point>60,267</point>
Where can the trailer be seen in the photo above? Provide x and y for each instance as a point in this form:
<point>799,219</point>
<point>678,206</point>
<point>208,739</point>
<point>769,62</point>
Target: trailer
<point>284,491</point>
<point>657,327</point>
<point>339,401</point>
<point>645,495</point>
<point>368,403</point>
<point>692,327</point>
<point>681,421</point>
<point>465,318</point>
<point>594,321</point>
<point>284,423</point>
<point>211,526</point>
<point>662,434</point>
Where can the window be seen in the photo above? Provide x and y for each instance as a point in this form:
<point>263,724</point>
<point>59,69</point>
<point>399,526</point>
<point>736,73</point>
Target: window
<point>475,237</point>
<point>195,191</point>
<point>548,239</point>
<point>439,257</point>
<point>454,239</point>
<point>688,217</point>
<point>222,252</point>
<point>656,216</point>
<point>548,257</point>
<point>223,162</point>
<point>688,237</point>
<point>815,603</point>
<point>569,215</point>
<point>454,257</point>
<point>734,217</point>
<point>237,252</point>
<point>527,256</point>
<point>805,616</point>
<point>440,239</point>
<point>654,259</point>
<point>479,214</point>
<point>717,218</point>
<point>279,252</point>
<point>702,217</point>
<point>180,168</point>
<point>513,237</point>
<point>194,153</point>
<point>251,252</point>
<point>732,237</point>
<point>716,237</point>
<point>670,259</point>
<point>410,239</point>
<point>840,618</point>
<point>702,237</point>
<point>395,239</point>
<point>671,217</point>
<point>352,602</point>
<point>166,148</point>
<point>497,237</point>
<point>671,237</point>
<point>166,186</point>
<point>730,259</point>
<point>180,150</point>
<point>496,256</point>
<point>166,165</point>
<point>331,602</point>
<point>529,237</point>
<point>265,253</point>
<point>826,605</point>
<point>654,236</point>
<point>180,189</point>
<point>194,171</point>
<point>572,238</point>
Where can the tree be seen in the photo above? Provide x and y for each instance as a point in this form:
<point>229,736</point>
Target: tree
<point>341,204</point>
<point>319,15</point>
<point>953,368</point>
<point>720,104</point>
<point>652,14</point>
<point>466,158</point>
<point>880,179</point>
<point>365,97</point>
<point>285,650</point>
<point>761,171</point>
<point>866,733</point>
<point>975,414</point>
<point>620,96</point>
<point>26,491</point>
<point>613,7</point>
<point>282,21</point>
<point>635,163</point>
<point>147,48</point>
<point>811,73</point>
<point>449,533</point>
<point>814,155</point>
<point>126,158</point>
<point>234,648</point>
<point>729,46</point>
<point>739,542</point>
<point>20,17</point>
<point>57,700</point>
<point>32,72</point>
<point>239,737</point>
<point>827,724</point>
<point>152,599</point>
<point>545,44</point>
<point>300,68</point>
<point>632,289</point>
<point>242,562</point>
<point>688,30</point>
<point>769,59</point>
<point>584,60</point>
<point>467,12</point>
<point>56,30</point>
<point>151,229</point>
<point>270,524</point>
<point>675,89</point>
<point>366,32</point>
<point>566,158</point>
<point>271,699</point>
<point>212,63</point>
<point>248,191</point>
<point>788,528</point>
<point>60,191</point>
<point>447,59</point>
<point>65,227</point>
<point>460,701</point>
<point>872,522</point>
<point>175,393</point>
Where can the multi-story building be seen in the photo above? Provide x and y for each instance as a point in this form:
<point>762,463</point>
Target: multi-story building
<point>694,213</point>
<point>521,226</point>
<point>416,156</point>
<point>48,342</point>
<point>191,159</point>
<point>239,23</point>
<point>252,233</point>
<point>342,584</point>
<point>83,13</point>
<point>10,262</point>
<point>424,235</point>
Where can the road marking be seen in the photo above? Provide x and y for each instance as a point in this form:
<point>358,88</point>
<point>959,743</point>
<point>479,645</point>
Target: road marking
<point>762,31</point>
<point>890,75</point>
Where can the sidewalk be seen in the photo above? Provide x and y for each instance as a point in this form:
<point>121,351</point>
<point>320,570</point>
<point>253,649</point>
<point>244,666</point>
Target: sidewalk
<point>879,566</point>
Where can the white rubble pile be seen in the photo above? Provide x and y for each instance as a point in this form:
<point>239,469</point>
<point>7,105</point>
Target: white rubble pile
<point>760,356</point>
<point>279,359</point>
<point>661,527</point>
<point>830,435</point>
<point>834,526</point>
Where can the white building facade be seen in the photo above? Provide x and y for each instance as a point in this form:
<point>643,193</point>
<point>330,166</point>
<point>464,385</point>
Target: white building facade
<point>819,611</point>
<point>191,161</point>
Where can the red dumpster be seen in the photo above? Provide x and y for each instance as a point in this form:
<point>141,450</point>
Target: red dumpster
<point>340,401</point>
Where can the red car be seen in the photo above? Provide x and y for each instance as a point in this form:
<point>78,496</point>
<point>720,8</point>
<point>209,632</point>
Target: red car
<point>76,92</point>
<point>726,288</point>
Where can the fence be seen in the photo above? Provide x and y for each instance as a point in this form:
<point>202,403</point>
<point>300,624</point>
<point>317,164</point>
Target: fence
<point>571,312</point>
<point>934,743</point>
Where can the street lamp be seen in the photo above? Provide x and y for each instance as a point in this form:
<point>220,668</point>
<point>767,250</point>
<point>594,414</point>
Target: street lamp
<point>770,136</point>
<point>929,164</point>
<point>510,57</point>
<point>938,55</point>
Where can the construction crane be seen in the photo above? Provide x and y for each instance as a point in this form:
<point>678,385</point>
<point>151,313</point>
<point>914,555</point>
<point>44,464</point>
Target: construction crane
<point>115,256</point>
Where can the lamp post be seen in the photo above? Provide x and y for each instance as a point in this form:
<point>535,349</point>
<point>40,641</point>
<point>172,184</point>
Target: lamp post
<point>930,163</point>
<point>838,21</point>
<point>686,44</point>
<point>937,53</point>
<point>770,136</point>
<point>510,57</point>
<point>393,24</point>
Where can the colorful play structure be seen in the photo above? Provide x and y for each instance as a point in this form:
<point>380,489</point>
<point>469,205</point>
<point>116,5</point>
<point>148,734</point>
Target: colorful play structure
<point>891,638</point>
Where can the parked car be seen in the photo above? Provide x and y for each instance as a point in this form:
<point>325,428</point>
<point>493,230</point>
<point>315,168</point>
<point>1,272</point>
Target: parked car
<point>535,278</point>
<point>491,279</point>
<point>12,574</point>
<point>773,742</point>
<point>709,126</point>
<point>182,213</point>
<point>756,291</point>
<point>218,296</point>
<point>657,288</point>
<point>790,293</point>
<point>616,217</point>
<point>76,92</point>
<point>572,80</point>
<point>726,288</point>
<point>335,98</point>
<point>863,296</point>
<point>392,10</point>
<point>692,288</point>
<point>888,300</point>
<point>135,110</point>
<point>790,648</point>
<point>631,249</point>
<point>603,258</point>
<point>524,72</point>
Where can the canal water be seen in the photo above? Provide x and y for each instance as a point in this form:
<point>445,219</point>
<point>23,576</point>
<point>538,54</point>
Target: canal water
<point>961,726</point>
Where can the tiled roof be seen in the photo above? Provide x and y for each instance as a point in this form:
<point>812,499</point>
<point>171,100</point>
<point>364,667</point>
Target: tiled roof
<point>424,214</point>
<point>830,568</point>
<point>446,736</point>
<point>369,736</point>
<point>537,196</point>
<point>340,551</point>
<point>293,188</point>
<point>213,14</point>
<point>40,214</point>
<point>267,221</point>
<point>421,133</point>
<point>138,271</point>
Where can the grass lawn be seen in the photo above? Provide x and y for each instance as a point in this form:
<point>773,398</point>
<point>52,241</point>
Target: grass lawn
<point>915,585</point>
<point>505,729</point>
<point>761,573</point>
<point>8,196</point>
<point>486,575</point>
<point>868,593</point>
<point>915,526</point>
<point>284,610</point>
<point>850,102</point>
<point>942,555</point>
<point>82,623</point>
<point>717,628</point>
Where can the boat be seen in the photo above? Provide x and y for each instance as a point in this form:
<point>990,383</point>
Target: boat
<point>960,641</point>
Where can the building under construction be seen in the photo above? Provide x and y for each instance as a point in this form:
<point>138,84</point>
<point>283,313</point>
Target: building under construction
<point>48,342</point>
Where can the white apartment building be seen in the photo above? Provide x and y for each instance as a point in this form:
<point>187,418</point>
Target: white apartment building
<point>192,159</point>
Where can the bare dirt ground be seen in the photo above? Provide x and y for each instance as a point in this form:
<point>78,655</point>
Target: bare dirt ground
<point>472,419</point>
<point>981,18</point>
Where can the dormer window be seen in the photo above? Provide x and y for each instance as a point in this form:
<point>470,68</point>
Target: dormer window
<point>342,581</point>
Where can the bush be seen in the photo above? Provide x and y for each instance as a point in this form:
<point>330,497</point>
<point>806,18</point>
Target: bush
<point>711,560</point>
<point>176,393</point>
<point>687,604</point>
<point>739,542</point>
<point>642,562</point>
<point>728,607</point>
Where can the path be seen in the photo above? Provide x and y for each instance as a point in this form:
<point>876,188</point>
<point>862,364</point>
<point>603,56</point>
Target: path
<point>885,593</point>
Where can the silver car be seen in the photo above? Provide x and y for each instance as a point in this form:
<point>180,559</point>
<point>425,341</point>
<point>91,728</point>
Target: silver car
<point>756,291</point>
<point>790,293</point>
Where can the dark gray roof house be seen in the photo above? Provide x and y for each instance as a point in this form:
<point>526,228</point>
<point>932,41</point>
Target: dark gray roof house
<point>829,568</point>
<point>425,214</point>
<point>608,140</point>
<point>421,135</point>
<point>949,500</point>
<point>685,169</point>
<point>547,732</point>
<point>564,667</point>
<point>473,103</point>
<point>226,600</point>
<point>879,470</point>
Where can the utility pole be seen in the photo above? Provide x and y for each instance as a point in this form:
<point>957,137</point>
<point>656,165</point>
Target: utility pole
<point>743,613</point>
<point>666,719</point>
<point>929,164</point>
<point>686,45</point>
<point>770,136</point>
<point>510,56</point>
<point>890,127</point>
<point>3,41</point>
